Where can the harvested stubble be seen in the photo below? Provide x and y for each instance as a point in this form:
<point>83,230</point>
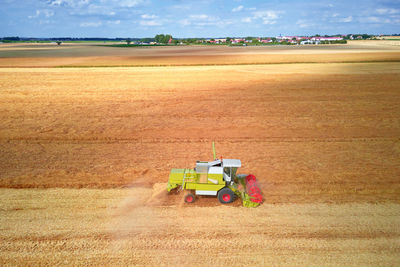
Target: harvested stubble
<point>128,226</point>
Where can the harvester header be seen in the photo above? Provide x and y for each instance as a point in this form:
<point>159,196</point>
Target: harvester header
<point>216,178</point>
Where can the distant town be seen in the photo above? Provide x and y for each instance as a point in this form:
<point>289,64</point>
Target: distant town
<point>167,39</point>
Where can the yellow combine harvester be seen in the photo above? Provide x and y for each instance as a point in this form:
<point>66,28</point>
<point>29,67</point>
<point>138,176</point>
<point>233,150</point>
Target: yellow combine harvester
<point>216,178</point>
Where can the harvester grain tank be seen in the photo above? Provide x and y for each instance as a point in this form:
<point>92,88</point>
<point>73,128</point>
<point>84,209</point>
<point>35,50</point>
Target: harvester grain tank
<point>216,178</point>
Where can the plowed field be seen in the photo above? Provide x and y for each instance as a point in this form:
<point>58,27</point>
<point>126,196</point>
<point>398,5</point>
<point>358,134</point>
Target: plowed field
<point>85,154</point>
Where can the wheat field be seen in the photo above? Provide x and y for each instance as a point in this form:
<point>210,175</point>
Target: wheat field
<point>85,154</point>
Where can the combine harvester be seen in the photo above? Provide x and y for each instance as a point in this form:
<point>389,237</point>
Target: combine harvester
<point>216,178</point>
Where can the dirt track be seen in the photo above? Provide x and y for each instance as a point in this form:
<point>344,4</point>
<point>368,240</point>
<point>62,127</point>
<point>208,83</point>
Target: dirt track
<point>323,140</point>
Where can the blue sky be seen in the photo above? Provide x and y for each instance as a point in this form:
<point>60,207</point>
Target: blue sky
<point>201,18</point>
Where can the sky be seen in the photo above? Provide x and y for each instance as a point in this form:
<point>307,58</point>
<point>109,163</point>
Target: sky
<point>201,18</point>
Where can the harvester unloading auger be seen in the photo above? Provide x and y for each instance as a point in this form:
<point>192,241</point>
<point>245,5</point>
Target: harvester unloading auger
<point>216,178</point>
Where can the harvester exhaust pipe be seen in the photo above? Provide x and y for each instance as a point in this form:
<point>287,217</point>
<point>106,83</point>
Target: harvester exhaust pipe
<point>213,147</point>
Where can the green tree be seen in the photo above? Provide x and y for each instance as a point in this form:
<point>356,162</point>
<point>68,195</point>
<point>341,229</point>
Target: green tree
<point>162,38</point>
<point>146,40</point>
<point>159,38</point>
<point>11,38</point>
<point>167,38</point>
<point>366,36</point>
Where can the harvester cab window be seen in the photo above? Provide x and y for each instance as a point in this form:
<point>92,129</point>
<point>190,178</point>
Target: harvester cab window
<point>233,172</point>
<point>227,171</point>
<point>227,174</point>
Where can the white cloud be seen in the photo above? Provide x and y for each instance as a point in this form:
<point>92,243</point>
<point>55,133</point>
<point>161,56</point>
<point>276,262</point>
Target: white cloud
<point>347,19</point>
<point>72,3</point>
<point>101,8</point>
<point>223,23</point>
<point>334,15</point>
<point>91,24</point>
<point>57,2</point>
<point>385,11</point>
<point>98,10</point>
<point>200,17</point>
<point>246,19</point>
<point>43,13</point>
<point>374,19</point>
<point>237,9</point>
<point>48,13</point>
<point>267,16</point>
<point>130,3</point>
<point>269,22</point>
<point>36,15</point>
<point>45,21</point>
<point>302,23</point>
<point>185,22</point>
<point>201,20</point>
<point>150,23</point>
<point>185,7</point>
<point>147,16</point>
<point>113,22</point>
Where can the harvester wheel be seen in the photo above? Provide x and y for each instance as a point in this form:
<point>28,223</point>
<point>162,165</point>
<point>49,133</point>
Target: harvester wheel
<point>226,195</point>
<point>189,198</point>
